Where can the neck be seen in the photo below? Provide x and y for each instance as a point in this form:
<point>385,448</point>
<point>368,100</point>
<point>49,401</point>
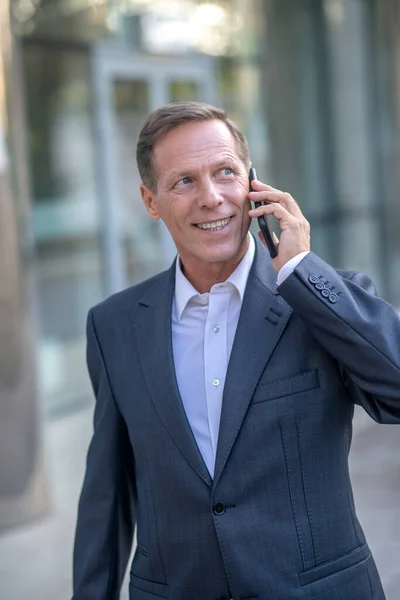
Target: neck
<point>204,275</point>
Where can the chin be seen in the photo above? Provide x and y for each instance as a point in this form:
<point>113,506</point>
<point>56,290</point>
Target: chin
<point>221,255</point>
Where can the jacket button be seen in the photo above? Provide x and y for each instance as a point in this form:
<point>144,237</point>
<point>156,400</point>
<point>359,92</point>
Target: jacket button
<point>325,293</point>
<point>313,279</point>
<point>333,298</point>
<point>219,509</point>
<point>320,286</point>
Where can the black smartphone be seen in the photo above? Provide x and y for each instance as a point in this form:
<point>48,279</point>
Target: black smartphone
<point>262,221</point>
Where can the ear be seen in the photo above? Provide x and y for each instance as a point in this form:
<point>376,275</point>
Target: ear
<point>149,201</point>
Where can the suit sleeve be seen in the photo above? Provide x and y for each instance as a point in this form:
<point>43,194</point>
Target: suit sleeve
<point>106,516</point>
<point>360,330</point>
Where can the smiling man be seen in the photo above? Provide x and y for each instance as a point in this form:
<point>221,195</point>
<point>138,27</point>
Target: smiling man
<point>225,390</point>
<point>201,194</point>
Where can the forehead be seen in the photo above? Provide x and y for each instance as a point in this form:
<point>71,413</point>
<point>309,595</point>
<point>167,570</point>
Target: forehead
<point>194,144</point>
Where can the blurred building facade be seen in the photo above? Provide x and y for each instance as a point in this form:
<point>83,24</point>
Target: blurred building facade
<point>315,86</point>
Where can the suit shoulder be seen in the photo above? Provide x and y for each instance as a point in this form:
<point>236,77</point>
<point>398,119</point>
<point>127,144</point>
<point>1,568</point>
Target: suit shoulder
<point>128,298</point>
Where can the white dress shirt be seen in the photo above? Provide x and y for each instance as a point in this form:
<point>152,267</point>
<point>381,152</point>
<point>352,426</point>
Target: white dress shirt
<point>203,330</point>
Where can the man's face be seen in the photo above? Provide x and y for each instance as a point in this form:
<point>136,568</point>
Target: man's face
<point>202,193</point>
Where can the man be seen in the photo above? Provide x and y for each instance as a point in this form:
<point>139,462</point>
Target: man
<point>225,390</point>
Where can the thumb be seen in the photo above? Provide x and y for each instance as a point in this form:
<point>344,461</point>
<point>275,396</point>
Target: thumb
<point>275,238</point>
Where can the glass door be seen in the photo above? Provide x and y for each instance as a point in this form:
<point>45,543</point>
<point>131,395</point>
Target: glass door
<point>127,87</point>
<point>66,226</point>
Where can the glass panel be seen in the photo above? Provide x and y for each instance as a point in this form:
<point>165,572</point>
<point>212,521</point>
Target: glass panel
<point>384,91</point>
<point>358,240</point>
<point>181,89</point>
<point>140,236</point>
<point>321,239</point>
<point>66,228</point>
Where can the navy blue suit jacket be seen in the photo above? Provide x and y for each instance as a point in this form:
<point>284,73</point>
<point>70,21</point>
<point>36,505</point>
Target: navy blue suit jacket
<point>277,522</point>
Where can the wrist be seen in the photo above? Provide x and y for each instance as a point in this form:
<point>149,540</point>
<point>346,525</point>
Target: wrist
<point>289,266</point>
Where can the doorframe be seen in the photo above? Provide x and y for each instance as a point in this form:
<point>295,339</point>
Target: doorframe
<point>109,63</point>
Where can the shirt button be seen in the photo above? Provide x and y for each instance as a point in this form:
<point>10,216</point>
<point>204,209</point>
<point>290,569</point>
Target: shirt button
<point>215,382</point>
<point>216,329</point>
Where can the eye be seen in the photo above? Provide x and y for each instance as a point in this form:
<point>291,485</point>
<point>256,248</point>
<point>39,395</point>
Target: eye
<point>227,171</point>
<point>184,181</point>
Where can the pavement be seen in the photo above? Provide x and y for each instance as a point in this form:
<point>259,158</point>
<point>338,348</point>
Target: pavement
<point>35,559</point>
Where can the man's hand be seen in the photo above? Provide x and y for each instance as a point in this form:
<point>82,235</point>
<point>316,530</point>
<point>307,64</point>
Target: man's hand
<point>295,229</point>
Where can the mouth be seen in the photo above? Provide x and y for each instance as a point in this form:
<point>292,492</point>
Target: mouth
<point>219,225</point>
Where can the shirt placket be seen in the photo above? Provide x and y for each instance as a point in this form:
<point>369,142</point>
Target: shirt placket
<point>215,360</point>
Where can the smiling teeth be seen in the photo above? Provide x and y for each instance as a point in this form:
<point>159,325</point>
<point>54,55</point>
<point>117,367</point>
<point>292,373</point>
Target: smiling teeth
<point>215,225</point>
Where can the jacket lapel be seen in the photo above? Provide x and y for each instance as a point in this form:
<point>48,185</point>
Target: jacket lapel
<point>154,338</point>
<point>263,318</point>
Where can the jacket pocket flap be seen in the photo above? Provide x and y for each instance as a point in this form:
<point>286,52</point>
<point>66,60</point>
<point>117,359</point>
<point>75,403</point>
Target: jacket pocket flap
<point>285,387</point>
<point>334,566</point>
<point>145,585</point>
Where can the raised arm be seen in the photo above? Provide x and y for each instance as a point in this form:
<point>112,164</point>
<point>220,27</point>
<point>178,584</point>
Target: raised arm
<point>360,330</point>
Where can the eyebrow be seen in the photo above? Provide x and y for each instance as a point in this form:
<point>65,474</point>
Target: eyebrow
<point>191,170</point>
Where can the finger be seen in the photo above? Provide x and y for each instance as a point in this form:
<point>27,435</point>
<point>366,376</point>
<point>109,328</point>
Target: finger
<point>273,235</point>
<point>285,218</point>
<point>259,186</point>
<point>265,196</point>
<point>286,200</point>
<point>287,222</point>
<point>275,209</point>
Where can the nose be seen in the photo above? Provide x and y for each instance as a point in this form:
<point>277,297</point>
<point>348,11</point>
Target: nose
<point>210,195</point>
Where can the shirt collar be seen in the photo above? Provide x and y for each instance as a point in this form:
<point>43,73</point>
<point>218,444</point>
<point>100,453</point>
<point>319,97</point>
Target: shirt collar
<point>184,290</point>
